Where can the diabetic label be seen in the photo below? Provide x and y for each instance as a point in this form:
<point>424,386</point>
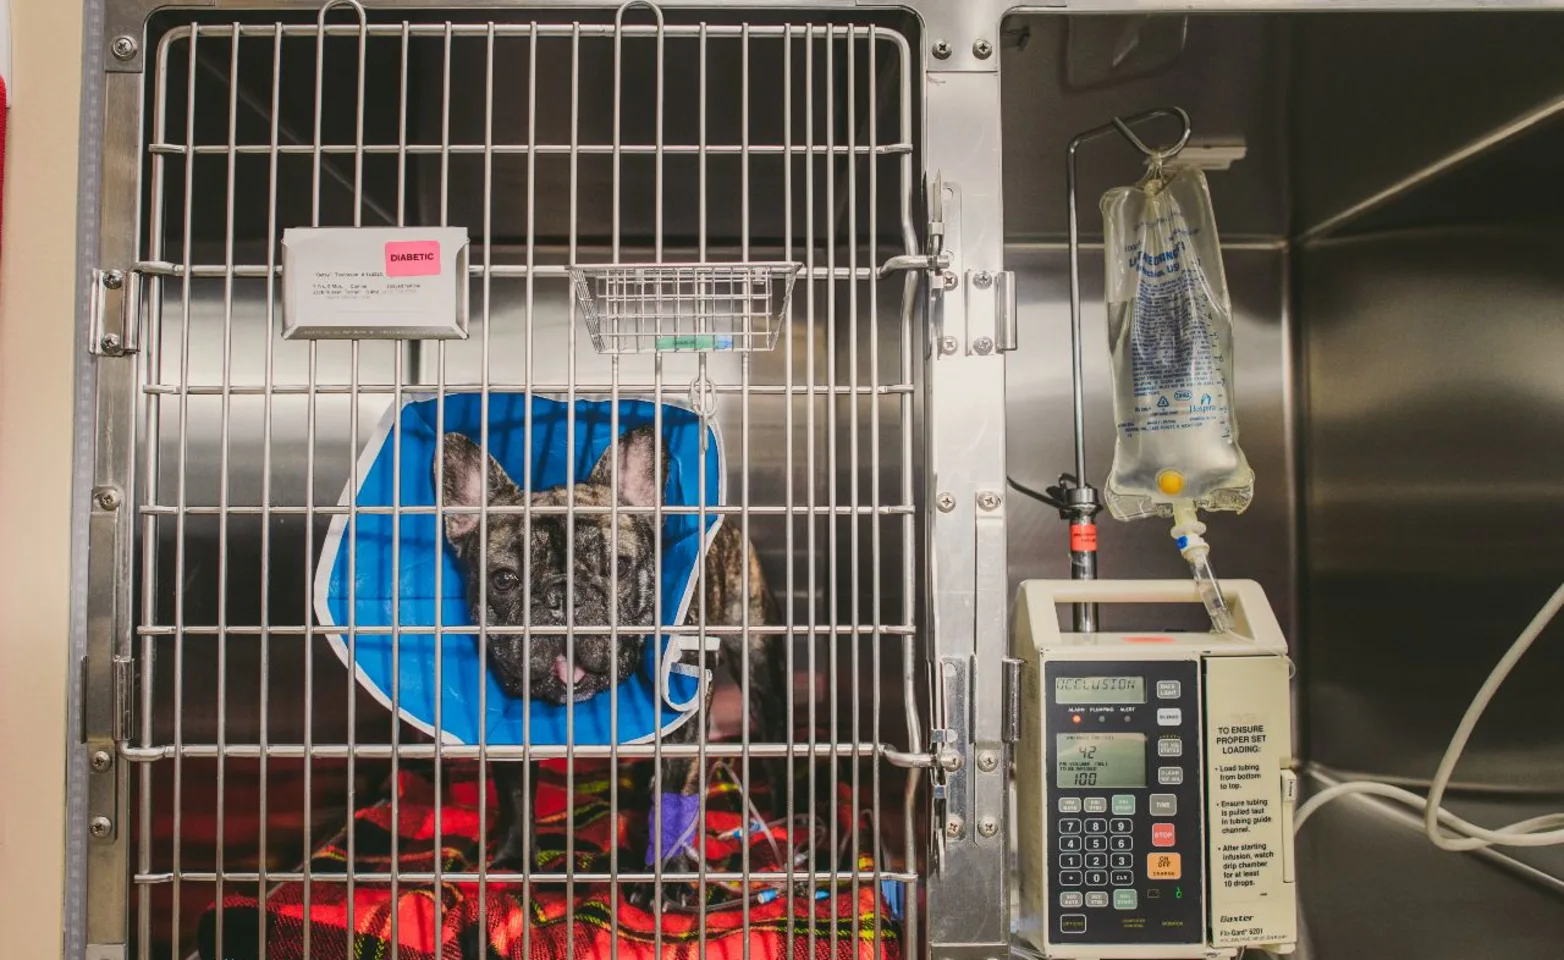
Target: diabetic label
<point>413,258</point>
<point>374,283</point>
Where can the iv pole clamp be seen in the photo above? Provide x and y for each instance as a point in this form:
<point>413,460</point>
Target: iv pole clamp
<point>1074,497</point>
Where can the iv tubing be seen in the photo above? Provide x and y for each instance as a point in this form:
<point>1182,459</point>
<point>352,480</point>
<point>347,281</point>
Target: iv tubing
<point>1187,530</point>
<point>1470,835</point>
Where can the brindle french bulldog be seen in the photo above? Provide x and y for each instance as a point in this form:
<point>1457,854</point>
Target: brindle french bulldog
<point>535,663</point>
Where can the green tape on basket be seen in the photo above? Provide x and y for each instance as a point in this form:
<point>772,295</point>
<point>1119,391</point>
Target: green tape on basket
<point>694,341</point>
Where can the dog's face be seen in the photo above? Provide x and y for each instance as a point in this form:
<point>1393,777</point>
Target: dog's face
<point>573,560</point>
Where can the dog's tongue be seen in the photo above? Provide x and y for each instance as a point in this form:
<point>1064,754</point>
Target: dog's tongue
<point>562,671</point>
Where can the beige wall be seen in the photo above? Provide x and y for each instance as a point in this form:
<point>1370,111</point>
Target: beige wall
<point>37,266</point>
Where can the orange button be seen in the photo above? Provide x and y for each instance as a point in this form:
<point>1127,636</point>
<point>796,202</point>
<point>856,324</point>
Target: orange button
<point>1164,866</point>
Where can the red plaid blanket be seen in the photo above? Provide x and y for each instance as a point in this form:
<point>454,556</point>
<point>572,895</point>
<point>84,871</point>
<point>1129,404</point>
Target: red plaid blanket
<point>596,923</point>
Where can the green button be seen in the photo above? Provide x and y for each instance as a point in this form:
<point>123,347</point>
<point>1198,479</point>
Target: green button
<point>1123,804</point>
<point>1125,900</point>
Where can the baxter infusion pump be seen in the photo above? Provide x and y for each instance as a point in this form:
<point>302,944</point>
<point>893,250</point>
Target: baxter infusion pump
<point>1154,781</point>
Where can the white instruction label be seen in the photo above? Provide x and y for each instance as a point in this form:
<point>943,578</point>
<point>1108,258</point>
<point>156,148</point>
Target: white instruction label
<point>374,283</point>
<point>1248,744</point>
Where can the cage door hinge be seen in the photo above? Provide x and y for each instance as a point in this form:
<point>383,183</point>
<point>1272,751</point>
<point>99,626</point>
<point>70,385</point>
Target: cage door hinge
<point>123,723</point>
<point>115,313</point>
<point>1011,700</point>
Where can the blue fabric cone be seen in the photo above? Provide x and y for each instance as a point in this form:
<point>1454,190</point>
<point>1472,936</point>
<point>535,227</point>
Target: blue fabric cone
<point>355,585</point>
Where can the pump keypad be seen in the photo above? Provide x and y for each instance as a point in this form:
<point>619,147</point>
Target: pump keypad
<point>1125,828</point>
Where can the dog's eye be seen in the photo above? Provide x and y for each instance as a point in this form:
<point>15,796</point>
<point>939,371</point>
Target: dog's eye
<point>625,568</point>
<point>504,581</point>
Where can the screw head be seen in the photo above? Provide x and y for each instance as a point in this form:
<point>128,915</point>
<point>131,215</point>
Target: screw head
<point>953,828</point>
<point>983,279</point>
<point>107,498</point>
<point>110,343</point>
<point>950,279</point>
<point>114,279</point>
<point>987,827</point>
<point>946,502</point>
<point>987,761</point>
<point>941,50</point>
<point>983,345</point>
<point>988,500</point>
<point>100,826</point>
<point>982,49</point>
<point>102,760</point>
<point>947,345</point>
<point>124,47</point>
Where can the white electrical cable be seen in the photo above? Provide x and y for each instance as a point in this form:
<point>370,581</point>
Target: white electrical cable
<point>1470,836</point>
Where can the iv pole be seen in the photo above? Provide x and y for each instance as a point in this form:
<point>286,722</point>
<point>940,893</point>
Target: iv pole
<point>1076,499</point>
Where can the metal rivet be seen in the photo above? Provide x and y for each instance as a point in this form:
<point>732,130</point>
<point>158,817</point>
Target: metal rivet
<point>946,502</point>
<point>983,279</point>
<point>950,279</point>
<point>987,827</point>
<point>982,49</point>
<point>941,50</point>
<point>982,345</point>
<point>987,761</point>
<point>107,498</point>
<point>100,826</point>
<point>953,828</point>
<point>948,345</point>
<point>114,279</point>
<point>102,760</point>
<point>988,500</point>
<point>124,47</point>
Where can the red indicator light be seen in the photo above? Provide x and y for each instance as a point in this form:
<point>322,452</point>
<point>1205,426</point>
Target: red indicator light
<point>1076,718</point>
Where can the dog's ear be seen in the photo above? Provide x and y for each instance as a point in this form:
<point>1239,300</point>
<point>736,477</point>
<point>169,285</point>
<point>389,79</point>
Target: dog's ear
<point>641,482</point>
<point>463,484</point>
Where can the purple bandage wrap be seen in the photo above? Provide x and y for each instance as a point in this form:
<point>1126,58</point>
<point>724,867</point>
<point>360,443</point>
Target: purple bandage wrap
<point>678,813</point>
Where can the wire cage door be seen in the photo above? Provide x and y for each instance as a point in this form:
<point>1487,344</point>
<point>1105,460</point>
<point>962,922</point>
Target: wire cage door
<point>327,735</point>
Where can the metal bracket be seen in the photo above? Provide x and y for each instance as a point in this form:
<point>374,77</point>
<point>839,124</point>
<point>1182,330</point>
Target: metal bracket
<point>951,771</point>
<point>991,296</point>
<point>115,306</point>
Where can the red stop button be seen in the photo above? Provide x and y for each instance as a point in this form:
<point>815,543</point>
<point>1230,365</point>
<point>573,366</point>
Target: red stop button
<point>1162,835</point>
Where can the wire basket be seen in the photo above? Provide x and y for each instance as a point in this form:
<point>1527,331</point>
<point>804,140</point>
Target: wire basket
<point>686,307</point>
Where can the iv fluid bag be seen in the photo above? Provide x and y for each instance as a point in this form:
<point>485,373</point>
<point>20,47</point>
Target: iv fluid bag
<point>1171,336</point>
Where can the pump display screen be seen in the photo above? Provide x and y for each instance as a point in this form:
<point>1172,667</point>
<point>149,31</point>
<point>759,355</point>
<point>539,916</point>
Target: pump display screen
<point>1076,690</point>
<point>1085,760</point>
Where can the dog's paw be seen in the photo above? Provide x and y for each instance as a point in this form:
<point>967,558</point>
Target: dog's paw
<point>675,896</point>
<point>682,894</point>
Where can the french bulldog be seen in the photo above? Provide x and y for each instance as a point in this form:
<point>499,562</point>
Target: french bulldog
<point>535,663</point>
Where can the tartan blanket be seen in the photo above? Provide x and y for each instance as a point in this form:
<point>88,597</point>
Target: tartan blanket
<point>596,923</point>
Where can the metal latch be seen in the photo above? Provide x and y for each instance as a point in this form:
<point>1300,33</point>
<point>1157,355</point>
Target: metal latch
<point>937,260</point>
<point>115,312</point>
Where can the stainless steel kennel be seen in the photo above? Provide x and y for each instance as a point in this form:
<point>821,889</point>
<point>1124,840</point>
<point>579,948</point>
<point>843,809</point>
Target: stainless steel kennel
<point>906,160</point>
<point>231,453</point>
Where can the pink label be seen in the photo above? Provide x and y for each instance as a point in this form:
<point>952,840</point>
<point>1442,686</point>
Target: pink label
<point>413,258</point>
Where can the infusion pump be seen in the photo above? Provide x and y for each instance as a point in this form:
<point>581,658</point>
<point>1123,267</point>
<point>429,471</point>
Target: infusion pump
<point>1154,781</point>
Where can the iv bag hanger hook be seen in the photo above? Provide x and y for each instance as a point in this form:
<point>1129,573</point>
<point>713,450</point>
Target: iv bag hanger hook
<point>1156,155</point>
<point>1074,496</point>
